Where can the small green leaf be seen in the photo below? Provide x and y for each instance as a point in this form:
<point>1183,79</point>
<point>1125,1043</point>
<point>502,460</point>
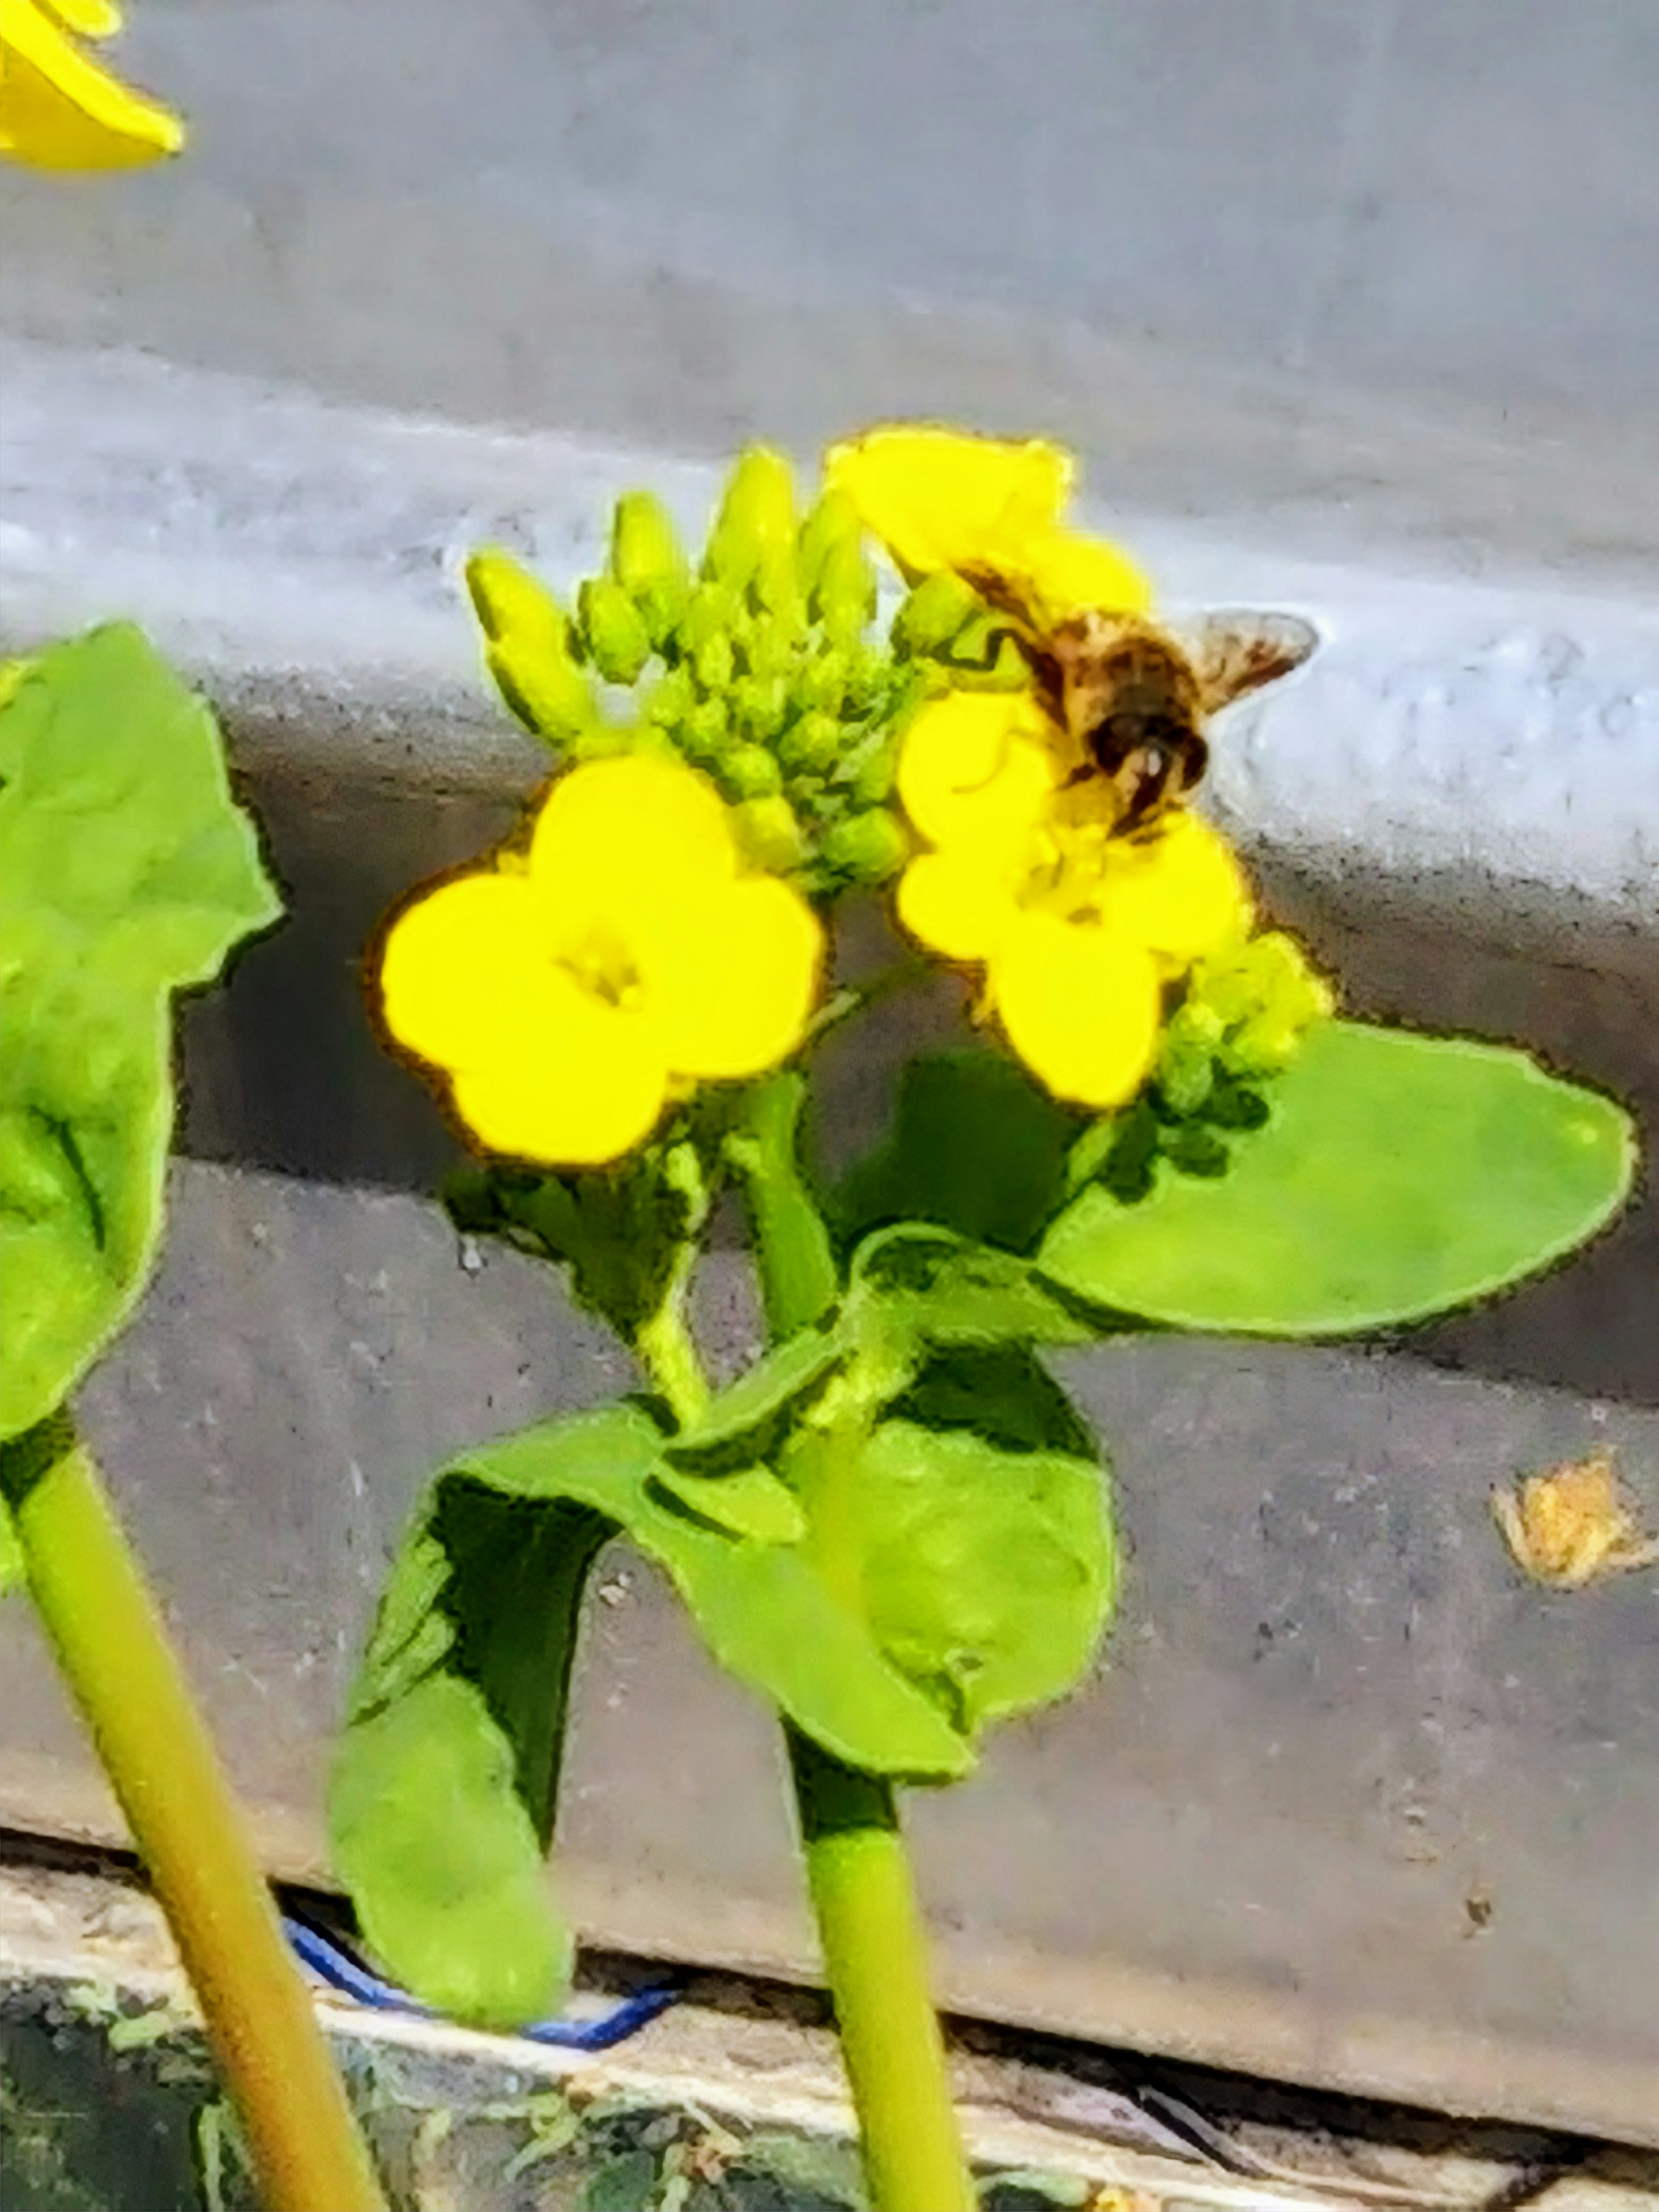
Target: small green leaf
<point>743,1420</point>
<point>1396,1177</point>
<point>752,1502</point>
<point>975,1148</point>
<point>126,872</point>
<point>987,1575</point>
<point>934,1287</point>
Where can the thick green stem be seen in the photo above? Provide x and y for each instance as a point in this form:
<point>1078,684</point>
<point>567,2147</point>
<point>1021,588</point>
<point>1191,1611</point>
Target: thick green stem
<point>116,1656</point>
<point>875,1958</point>
<point>875,1951</point>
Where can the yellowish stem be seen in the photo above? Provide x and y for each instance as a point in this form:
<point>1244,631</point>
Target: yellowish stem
<point>119,1662</point>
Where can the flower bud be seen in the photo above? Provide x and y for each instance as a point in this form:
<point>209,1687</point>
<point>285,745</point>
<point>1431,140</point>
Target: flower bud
<point>751,772</point>
<point>714,663</point>
<point>935,613</point>
<point>756,517</point>
<point>769,835</point>
<point>871,779</point>
<point>844,597</point>
<point>614,630</point>
<point>706,732</point>
<point>645,552</point>
<point>1186,1065</point>
<point>669,699</point>
<point>833,521</point>
<point>528,648</point>
<point>760,703</point>
<point>867,848</point>
<point>711,611</point>
<point>821,681</point>
<point>812,743</point>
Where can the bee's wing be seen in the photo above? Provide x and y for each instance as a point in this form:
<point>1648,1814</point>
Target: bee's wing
<point>1233,651</point>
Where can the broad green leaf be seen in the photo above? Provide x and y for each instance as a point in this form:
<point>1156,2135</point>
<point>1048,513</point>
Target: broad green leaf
<point>749,1502</point>
<point>1397,1176</point>
<point>987,1574</point>
<point>116,814</point>
<point>742,1421</point>
<point>934,1287</point>
<point>485,1598</point>
<point>85,1117</point>
<point>435,1844</point>
<point>126,872</point>
<point>974,1146</point>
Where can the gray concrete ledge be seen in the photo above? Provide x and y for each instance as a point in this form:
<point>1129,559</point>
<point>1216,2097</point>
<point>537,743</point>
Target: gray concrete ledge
<point>302,558</point>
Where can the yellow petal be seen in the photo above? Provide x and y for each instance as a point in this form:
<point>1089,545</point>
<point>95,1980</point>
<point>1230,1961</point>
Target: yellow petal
<point>954,903</point>
<point>1066,573</point>
<point>58,110</point>
<point>576,1090</point>
<point>637,818</point>
<point>977,766</point>
<point>462,966</point>
<point>945,499</point>
<point>731,975</point>
<point>1080,1006</point>
<point>1181,893</point>
<point>92,19</point>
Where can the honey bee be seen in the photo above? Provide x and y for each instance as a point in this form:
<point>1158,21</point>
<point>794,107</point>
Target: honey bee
<point>1134,698</point>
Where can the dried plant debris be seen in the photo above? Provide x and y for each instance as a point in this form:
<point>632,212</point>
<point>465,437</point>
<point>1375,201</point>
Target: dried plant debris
<point>1573,1524</point>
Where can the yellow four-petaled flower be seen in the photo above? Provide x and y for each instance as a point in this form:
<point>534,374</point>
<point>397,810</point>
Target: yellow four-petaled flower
<point>568,1000</point>
<point>1078,929</point>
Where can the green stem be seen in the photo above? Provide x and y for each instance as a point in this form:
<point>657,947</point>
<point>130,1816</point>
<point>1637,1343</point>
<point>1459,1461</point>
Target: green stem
<point>875,1950</point>
<point>875,1958</point>
<point>116,1656</point>
<point>663,1340</point>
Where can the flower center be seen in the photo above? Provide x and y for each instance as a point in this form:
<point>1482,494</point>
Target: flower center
<point>601,964</point>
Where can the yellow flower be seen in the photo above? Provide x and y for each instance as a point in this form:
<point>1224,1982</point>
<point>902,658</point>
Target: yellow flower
<point>58,110</point>
<point>1078,930</point>
<point>945,499</point>
<point>568,999</point>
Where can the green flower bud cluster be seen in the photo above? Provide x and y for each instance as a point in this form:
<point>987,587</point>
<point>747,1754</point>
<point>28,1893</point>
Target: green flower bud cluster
<point>758,667</point>
<point>1240,1022</point>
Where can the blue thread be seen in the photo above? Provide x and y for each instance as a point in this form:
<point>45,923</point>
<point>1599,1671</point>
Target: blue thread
<point>342,1971</point>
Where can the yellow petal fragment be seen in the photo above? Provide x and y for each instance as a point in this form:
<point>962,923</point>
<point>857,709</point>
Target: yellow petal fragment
<point>943,498</point>
<point>58,110</point>
<point>977,766</point>
<point>463,967</point>
<point>1081,1006</point>
<point>1067,573</point>
<point>1181,893</point>
<point>574,1093</point>
<point>637,819</point>
<point>731,975</point>
<point>954,903</point>
<point>92,19</point>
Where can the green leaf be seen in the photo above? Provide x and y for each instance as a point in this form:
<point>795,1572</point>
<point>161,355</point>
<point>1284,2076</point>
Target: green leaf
<point>484,1598</point>
<point>126,872</point>
<point>974,1146</point>
<point>752,1502</point>
<point>1397,1176</point>
<point>116,814</point>
<point>987,1574</point>
<point>435,1844</point>
<point>744,1420</point>
<point>934,1287</point>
